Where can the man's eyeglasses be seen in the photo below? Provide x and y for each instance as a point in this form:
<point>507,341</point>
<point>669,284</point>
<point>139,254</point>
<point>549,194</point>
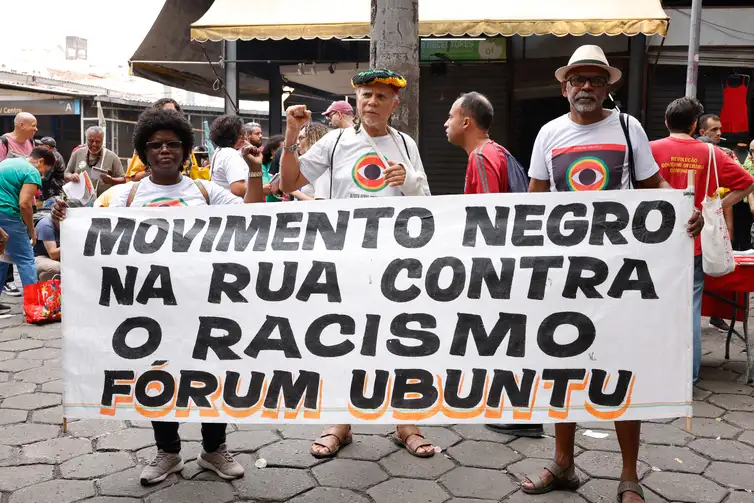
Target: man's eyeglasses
<point>171,145</point>
<point>580,81</point>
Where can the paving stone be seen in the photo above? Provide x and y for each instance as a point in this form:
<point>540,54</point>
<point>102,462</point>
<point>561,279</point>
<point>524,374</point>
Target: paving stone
<point>603,491</point>
<point>442,437</point>
<point>372,429</point>
<point>54,343</point>
<point>190,431</point>
<point>734,387</point>
<point>368,448</point>
<point>724,450</point>
<point>54,491</point>
<point>664,434</point>
<point>128,483</point>
<point>110,499</point>
<point>4,376</point>
<point>708,428</point>
<point>478,483</point>
<point>20,345</point>
<point>19,364</point>
<point>743,420</point>
<point>405,490</point>
<point>479,432</point>
<point>40,354</point>
<point>350,474</point>
<point>6,355</point>
<point>19,434</point>
<point>606,465</point>
<point>131,439</point>
<point>684,487</point>
<point>483,454</point>
<point>329,495</point>
<point>609,443</point>
<point>301,431</point>
<point>195,492</point>
<point>733,402</point>
<point>32,401</point>
<point>275,484</point>
<point>55,363</point>
<point>538,447</point>
<point>251,441</point>
<point>38,376</point>
<point>190,470</point>
<point>53,386</point>
<point>716,374</point>
<point>469,500</point>
<point>53,415</point>
<point>737,367</point>
<point>740,497</point>
<point>665,458</point>
<point>6,452</point>
<point>605,425</point>
<point>704,409</point>
<point>46,333</point>
<point>553,497</point>
<point>289,453</point>
<point>93,428</point>
<point>403,464</point>
<point>733,475</point>
<point>57,450</point>
<point>747,437</point>
<point>16,477</point>
<point>189,452</point>
<point>700,394</point>
<point>9,389</point>
<point>96,465</point>
<point>10,416</point>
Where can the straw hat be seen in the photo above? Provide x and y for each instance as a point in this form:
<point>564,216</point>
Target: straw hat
<point>589,56</point>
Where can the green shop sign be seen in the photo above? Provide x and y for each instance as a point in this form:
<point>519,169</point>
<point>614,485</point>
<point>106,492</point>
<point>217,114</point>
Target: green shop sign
<point>463,50</point>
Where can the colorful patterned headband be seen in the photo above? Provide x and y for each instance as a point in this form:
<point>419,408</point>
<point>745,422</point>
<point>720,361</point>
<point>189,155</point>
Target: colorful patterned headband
<point>380,76</point>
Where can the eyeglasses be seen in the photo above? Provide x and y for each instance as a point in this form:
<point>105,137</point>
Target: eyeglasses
<point>171,145</point>
<point>580,81</point>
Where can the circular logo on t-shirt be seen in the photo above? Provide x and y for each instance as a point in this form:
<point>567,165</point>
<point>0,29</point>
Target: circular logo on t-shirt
<point>587,173</point>
<point>165,202</point>
<point>369,173</point>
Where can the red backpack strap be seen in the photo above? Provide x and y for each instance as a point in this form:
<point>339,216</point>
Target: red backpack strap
<point>132,194</point>
<point>203,190</point>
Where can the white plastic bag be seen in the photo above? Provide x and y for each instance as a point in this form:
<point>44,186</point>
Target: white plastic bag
<point>717,251</point>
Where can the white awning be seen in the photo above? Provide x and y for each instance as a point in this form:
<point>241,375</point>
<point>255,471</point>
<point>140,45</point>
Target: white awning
<point>343,19</point>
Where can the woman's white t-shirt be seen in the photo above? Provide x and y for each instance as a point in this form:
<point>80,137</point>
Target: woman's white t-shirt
<point>183,193</point>
<point>227,167</point>
<point>357,170</point>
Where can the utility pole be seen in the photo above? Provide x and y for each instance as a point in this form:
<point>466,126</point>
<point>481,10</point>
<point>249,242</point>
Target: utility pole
<point>395,45</point>
<point>692,70</point>
<point>230,49</point>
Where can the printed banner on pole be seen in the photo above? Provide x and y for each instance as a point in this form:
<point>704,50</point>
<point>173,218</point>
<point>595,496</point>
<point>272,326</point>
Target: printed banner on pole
<point>491,308</point>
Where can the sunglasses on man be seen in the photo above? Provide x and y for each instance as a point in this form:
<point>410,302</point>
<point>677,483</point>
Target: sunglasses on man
<point>580,81</point>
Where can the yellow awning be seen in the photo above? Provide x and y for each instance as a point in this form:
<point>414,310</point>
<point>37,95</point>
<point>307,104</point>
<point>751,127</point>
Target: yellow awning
<point>326,19</point>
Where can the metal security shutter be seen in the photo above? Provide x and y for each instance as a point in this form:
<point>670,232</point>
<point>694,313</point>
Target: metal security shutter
<point>444,163</point>
<point>666,83</point>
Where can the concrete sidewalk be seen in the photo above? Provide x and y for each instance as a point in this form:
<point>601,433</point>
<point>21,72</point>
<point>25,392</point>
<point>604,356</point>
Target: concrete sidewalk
<point>100,461</point>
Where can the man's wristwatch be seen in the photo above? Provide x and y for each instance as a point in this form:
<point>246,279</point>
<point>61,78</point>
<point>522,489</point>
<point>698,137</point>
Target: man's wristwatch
<point>291,148</point>
<point>255,174</point>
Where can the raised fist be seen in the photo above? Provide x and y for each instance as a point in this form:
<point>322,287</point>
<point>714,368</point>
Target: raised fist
<point>298,116</point>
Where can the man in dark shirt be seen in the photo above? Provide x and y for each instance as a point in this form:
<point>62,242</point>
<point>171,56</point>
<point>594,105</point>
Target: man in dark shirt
<point>55,178</point>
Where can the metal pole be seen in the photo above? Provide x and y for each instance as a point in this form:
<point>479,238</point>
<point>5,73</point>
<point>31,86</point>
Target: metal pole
<point>231,77</point>
<point>693,62</point>
<point>637,48</point>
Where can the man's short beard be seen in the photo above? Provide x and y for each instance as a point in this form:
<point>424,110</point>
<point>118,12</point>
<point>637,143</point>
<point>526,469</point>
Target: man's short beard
<point>585,106</point>
<point>369,121</point>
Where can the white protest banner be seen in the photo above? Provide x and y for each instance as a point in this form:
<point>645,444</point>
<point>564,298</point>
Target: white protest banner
<point>500,307</point>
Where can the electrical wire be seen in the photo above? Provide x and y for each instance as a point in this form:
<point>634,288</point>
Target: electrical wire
<point>722,29</point>
<point>219,83</point>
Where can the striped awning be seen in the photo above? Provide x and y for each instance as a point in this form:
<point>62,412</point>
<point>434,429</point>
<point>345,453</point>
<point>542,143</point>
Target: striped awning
<point>349,19</point>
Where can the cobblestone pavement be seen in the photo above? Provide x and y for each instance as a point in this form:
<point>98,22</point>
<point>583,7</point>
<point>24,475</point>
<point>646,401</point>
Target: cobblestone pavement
<point>100,461</point>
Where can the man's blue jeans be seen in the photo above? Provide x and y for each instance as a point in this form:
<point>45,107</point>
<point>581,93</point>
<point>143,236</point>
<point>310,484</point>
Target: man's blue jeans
<point>19,249</point>
<point>697,315</point>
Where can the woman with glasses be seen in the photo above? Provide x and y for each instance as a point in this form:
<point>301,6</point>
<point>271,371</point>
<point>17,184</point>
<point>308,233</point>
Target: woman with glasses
<point>163,139</point>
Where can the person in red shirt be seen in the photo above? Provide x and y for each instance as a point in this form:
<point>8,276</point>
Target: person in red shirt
<point>676,155</point>
<point>468,127</point>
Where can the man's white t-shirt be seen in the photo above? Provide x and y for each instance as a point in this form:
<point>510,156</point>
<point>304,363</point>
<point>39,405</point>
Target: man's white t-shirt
<point>183,193</point>
<point>357,170</point>
<point>227,167</point>
<point>594,157</point>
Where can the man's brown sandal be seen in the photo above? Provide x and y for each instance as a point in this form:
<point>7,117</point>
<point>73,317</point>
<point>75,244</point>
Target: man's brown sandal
<point>629,487</point>
<point>413,442</point>
<point>565,480</point>
<point>337,433</point>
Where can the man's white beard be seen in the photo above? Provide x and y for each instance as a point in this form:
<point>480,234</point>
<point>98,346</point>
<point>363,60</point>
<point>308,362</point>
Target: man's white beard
<point>584,107</point>
<point>368,120</point>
